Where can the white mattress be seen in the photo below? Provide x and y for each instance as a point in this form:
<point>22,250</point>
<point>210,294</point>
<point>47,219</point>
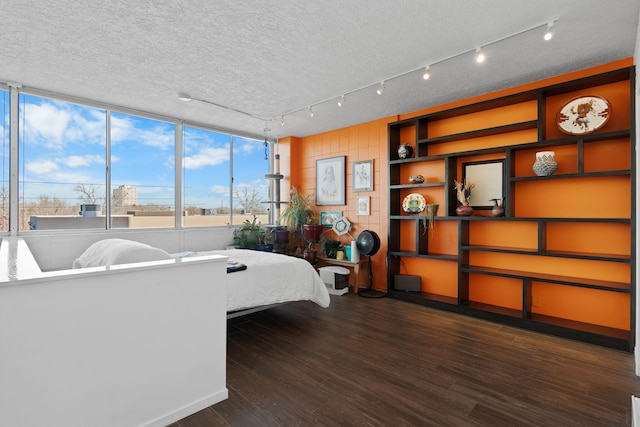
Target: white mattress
<point>271,278</point>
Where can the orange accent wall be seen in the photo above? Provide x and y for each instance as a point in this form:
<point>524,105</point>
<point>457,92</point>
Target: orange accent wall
<point>368,141</point>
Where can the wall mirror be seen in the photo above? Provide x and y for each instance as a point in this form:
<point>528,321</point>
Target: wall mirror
<point>488,177</point>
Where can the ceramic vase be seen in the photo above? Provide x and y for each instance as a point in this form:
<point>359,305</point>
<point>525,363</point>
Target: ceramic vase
<point>498,207</point>
<point>405,151</point>
<point>464,211</point>
<point>545,164</point>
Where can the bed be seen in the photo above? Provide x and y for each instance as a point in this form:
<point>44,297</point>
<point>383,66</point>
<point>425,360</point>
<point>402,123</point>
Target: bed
<point>268,280</point>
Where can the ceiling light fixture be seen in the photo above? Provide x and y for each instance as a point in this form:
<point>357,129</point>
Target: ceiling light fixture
<point>184,97</point>
<point>427,73</point>
<point>480,57</point>
<point>282,121</point>
<point>310,111</point>
<point>548,35</point>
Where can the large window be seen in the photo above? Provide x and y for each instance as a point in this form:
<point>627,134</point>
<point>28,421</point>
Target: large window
<point>80,166</point>
<point>250,189</point>
<point>206,169</point>
<point>142,172</point>
<point>62,164</point>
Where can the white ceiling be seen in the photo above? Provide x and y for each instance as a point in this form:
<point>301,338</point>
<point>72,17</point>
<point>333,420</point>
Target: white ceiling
<point>271,58</point>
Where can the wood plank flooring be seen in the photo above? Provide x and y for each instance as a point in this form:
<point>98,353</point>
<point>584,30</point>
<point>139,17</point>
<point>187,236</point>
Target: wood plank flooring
<point>384,362</point>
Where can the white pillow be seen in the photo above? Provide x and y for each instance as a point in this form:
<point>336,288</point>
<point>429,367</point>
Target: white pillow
<point>118,251</point>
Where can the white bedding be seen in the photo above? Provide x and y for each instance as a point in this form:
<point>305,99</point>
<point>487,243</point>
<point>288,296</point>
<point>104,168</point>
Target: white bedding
<point>271,278</point>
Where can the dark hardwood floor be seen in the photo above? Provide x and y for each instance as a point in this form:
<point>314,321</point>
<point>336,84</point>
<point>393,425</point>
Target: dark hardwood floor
<point>383,362</point>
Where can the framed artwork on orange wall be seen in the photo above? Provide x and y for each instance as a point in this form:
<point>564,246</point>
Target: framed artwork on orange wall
<point>363,175</point>
<point>330,181</point>
<point>363,205</point>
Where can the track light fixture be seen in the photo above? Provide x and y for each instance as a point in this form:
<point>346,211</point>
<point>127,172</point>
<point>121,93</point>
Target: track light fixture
<point>480,57</point>
<point>427,73</point>
<point>548,35</point>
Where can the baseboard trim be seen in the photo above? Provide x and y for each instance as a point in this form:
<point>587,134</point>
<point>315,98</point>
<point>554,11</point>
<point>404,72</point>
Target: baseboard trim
<point>189,409</point>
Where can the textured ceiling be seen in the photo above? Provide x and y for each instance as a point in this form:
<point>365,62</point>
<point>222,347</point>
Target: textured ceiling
<point>268,59</point>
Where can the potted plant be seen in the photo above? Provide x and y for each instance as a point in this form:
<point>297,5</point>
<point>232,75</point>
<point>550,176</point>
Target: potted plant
<point>335,251</point>
<point>265,241</point>
<point>248,234</point>
<point>301,219</point>
<point>429,220</point>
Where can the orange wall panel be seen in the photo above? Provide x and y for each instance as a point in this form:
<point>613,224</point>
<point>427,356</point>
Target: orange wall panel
<point>582,305</point>
<point>515,235</point>
<point>576,268</point>
<point>612,154</point>
<point>500,291</point>
<point>593,238</point>
<point>438,277</point>
<point>606,197</point>
<point>523,112</point>
<point>512,138</point>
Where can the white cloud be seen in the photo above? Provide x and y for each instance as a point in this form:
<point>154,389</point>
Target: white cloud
<point>80,161</point>
<point>124,129</point>
<point>209,156</point>
<point>245,146</point>
<point>55,124</point>
<point>42,167</point>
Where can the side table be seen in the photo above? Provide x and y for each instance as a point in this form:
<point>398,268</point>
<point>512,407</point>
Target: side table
<point>364,261</point>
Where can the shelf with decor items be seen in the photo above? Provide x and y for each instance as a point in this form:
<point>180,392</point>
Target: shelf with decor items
<point>561,259</point>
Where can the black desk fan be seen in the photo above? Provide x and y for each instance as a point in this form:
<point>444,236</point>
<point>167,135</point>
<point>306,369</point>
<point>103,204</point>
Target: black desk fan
<point>368,244</point>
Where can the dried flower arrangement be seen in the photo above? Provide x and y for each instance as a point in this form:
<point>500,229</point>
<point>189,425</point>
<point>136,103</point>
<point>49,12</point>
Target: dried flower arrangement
<point>463,191</point>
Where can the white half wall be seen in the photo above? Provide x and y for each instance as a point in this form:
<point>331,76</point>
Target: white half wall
<point>127,345</point>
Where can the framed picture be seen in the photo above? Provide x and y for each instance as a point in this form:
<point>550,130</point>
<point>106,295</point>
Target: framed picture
<point>488,179</point>
<point>363,175</point>
<point>329,218</point>
<point>363,205</point>
<point>330,181</point>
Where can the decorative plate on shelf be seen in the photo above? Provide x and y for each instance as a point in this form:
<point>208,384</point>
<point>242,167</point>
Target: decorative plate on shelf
<point>414,203</point>
<point>584,114</point>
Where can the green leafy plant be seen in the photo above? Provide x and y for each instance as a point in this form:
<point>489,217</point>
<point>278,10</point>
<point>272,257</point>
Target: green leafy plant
<point>248,234</point>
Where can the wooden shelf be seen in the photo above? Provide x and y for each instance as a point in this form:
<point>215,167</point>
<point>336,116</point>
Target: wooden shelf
<point>452,134</point>
<point>550,278</point>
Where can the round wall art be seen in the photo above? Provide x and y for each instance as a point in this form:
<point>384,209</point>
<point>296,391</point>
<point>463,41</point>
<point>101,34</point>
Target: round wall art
<point>584,114</point>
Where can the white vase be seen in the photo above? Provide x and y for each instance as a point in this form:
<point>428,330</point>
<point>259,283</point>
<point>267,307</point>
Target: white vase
<point>355,255</point>
<point>545,164</point>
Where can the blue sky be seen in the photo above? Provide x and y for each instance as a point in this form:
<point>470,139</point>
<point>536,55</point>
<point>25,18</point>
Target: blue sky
<point>63,144</point>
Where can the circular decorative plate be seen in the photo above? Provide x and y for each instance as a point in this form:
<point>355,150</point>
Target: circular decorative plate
<point>414,203</point>
<point>584,114</point>
<point>341,226</point>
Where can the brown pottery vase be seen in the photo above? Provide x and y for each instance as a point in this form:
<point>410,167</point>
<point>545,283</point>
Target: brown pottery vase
<point>464,211</point>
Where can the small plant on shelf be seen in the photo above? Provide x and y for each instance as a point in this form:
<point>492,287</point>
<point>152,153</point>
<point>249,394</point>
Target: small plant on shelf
<point>429,220</point>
